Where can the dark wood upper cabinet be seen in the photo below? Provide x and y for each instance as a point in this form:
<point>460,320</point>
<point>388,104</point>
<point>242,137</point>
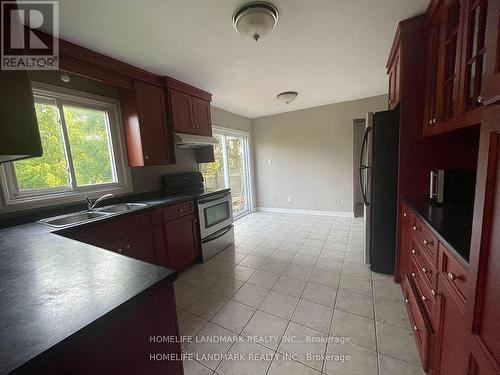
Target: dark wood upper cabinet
<point>189,108</point>
<point>474,53</point>
<point>149,140</point>
<point>19,132</point>
<point>181,112</point>
<point>394,71</point>
<point>491,76</point>
<point>202,118</point>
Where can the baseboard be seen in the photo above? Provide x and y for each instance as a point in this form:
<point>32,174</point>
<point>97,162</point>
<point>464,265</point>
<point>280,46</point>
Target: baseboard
<point>305,212</point>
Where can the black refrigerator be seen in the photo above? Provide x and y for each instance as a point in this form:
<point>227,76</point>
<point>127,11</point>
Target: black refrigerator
<point>378,175</point>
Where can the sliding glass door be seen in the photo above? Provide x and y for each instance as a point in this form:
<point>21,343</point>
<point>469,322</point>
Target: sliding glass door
<point>230,168</point>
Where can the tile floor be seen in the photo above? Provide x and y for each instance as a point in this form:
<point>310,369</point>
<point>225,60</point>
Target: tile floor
<point>293,297</point>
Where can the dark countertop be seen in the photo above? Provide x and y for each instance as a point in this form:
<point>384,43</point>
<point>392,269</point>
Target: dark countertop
<point>450,222</point>
<point>52,286</point>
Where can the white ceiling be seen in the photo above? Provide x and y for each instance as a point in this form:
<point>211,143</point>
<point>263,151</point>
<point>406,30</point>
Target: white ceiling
<point>327,50</point>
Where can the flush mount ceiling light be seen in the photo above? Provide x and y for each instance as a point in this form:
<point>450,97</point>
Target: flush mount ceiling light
<point>255,19</point>
<point>287,96</point>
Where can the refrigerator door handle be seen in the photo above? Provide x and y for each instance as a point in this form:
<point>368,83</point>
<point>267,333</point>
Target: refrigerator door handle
<point>363,167</point>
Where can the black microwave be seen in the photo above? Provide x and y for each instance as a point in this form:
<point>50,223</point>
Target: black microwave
<point>452,185</point>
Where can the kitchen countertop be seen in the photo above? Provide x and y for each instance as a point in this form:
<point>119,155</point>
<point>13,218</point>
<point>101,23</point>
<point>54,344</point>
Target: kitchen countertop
<point>52,286</point>
<point>451,223</point>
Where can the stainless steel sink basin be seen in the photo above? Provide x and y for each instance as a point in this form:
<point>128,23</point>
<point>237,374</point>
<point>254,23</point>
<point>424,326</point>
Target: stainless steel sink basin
<point>75,218</point>
<point>123,207</point>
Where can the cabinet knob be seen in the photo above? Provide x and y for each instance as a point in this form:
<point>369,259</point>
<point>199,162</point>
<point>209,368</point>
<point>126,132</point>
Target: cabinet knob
<point>424,270</point>
<point>404,214</point>
<point>127,247</point>
<point>413,274</point>
<point>424,299</point>
<point>406,300</point>
<point>428,242</point>
<point>480,99</point>
<point>413,251</point>
<point>433,292</point>
<point>120,250</point>
<point>430,122</point>
<point>146,157</point>
<point>181,210</point>
<point>414,228</point>
<point>415,328</point>
<point>452,276</point>
<point>434,120</point>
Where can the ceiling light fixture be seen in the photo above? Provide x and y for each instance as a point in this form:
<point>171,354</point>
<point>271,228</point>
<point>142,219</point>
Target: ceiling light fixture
<point>255,19</point>
<point>287,96</point>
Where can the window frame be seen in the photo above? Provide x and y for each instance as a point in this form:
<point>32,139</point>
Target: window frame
<point>54,95</point>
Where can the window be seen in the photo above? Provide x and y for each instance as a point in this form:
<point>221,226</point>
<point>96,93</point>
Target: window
<point>82,150</point>
<point>230,168</point>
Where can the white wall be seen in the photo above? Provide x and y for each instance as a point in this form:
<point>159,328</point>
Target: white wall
<point>311,154</point>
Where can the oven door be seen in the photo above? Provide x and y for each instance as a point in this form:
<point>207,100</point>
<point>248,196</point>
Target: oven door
<point>215,213</point>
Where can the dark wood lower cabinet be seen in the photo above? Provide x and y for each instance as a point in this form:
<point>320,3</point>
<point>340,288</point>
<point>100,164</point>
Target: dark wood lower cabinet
<point>449,342</point>
<point>182,242</point>
<point>166,237</point>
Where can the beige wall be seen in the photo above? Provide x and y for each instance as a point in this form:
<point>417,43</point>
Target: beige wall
<point>311,156</point>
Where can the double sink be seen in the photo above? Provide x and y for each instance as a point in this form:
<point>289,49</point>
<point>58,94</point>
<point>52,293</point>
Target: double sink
<point>92,215</point>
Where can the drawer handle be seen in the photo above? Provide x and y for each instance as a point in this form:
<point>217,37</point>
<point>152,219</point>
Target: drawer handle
<point>424,299</point>
<point>430,243</point>
<point>452,276</point>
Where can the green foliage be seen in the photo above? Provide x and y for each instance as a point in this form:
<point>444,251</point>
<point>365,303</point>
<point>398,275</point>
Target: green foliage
<point>90,150</point>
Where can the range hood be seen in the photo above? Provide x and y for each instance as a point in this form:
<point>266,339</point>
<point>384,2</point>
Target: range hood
<point>193,141</point>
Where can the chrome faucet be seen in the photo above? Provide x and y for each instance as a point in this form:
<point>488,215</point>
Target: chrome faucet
<point>91,205</point>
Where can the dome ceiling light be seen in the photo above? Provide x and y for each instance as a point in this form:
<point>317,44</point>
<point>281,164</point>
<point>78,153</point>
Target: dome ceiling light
<point>287,96</point>
<point>255,19</point>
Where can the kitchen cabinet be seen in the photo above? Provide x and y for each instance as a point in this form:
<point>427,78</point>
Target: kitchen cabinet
<point>450,344</point>
<point>182,243</point>
<point>137,235</point>
<point>491,76</point>
<point>149,139</point>
<point>19,133</point>
<point>483,289</point>
<point>393,71</point>
<point>189,108</point>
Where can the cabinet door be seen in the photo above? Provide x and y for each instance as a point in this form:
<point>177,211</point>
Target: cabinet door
<point>450,345</point>
<point>451,59</point>
<point>182,242</point>
<point>483,308</point>
<point>181,109</point>
<point>474,53</point>
<point>146,245</point>
<point>202,118</point>
<point>156,141</point>
<point>433,82</point>
<point>394,81</point>
<point>491,77</point>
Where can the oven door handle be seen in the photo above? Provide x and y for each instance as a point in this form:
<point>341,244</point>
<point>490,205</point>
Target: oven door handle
<point>213,198</point>
<point>217,234</point>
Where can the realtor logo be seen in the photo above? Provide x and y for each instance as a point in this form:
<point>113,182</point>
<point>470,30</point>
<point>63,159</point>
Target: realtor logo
<point>23,44</point>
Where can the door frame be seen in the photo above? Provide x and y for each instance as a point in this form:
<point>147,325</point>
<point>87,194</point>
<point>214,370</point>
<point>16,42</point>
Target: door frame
<point>247,157</point>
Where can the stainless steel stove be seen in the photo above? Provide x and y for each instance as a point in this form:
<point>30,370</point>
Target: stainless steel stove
<point>215,214</point>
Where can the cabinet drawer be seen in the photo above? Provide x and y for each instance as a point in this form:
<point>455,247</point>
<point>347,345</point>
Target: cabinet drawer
<point>423,235</point>
<point>178,210</point>
<point>425,264</point>
<point>418,321</point>
<point>453,272</point>
<point>425,294</point>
